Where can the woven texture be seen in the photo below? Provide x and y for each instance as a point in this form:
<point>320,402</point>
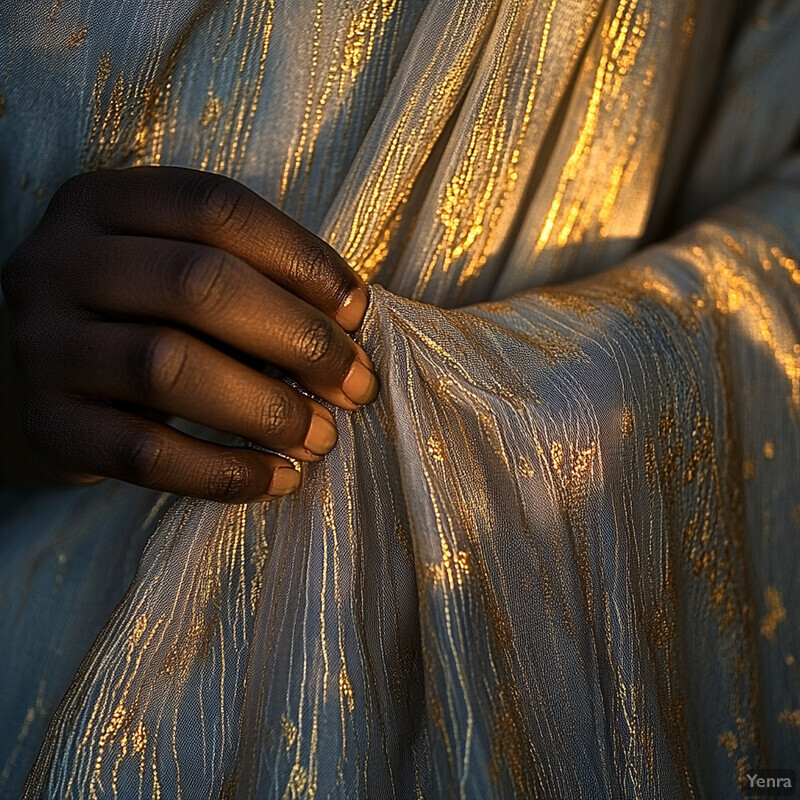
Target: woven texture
<point>558,557</point>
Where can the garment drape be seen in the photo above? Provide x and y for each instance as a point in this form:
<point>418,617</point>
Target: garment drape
<point>557,557</point>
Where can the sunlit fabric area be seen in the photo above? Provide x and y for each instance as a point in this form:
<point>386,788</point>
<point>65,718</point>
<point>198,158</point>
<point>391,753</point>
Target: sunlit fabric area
<point>559,556</point>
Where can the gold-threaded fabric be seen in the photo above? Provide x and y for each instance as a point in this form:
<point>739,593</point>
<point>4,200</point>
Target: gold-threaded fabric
<point>557,558</point>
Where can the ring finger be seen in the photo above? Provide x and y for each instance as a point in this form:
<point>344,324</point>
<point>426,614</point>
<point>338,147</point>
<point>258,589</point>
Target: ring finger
<point>169,370</point>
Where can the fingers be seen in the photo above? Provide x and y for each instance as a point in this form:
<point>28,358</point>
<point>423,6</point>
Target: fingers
<point>175,203</point>
<point>209,290</point>
<point>132,291</point>
<point>168,370</point>
<point>97,439</point>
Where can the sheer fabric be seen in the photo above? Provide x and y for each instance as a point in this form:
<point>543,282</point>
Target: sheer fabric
<point>557,558</point>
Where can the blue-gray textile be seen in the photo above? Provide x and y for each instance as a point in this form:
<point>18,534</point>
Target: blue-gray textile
<point>558,557</point>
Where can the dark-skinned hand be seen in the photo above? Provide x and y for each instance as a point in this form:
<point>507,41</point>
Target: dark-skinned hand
<point>158,291</point>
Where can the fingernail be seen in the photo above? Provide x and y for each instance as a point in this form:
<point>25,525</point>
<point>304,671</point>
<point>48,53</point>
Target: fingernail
<point>321,435</point>
<point>351,312</point>
<point>360,386</point>
<point>284,481</point>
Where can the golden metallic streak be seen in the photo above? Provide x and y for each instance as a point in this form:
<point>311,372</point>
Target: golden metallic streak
<point>468,212</point>
<point>776,612</point>
<point>218,557</point>
<point>790,717</point>
<point>293,163</point>
<point>734,291</point>
<point>37,709</point>
<point>247,90</point>
<point>481,159</point>
<point>404,153</point>
<point>614,35</point>
<point>512,745</point>
<point>77,36</point>
<point>729,741</point>
<point>141,118</point>
<point>346,62</point>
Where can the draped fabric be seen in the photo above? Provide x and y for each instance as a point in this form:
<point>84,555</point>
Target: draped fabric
<point>558,556</point>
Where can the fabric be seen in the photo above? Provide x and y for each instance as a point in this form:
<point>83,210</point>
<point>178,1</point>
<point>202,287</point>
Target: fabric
<point>558,556</point>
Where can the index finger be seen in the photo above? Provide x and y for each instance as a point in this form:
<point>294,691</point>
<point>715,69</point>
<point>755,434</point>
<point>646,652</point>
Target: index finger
<point>211,209</point>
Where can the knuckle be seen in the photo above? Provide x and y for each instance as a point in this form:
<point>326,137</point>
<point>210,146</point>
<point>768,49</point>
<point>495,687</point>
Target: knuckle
<point>73,197</point>
<point>72,189</point>
<point>220,204</point>
<point>314,341</point>
<point>201,282</point>
<point>159,362</point>
<point>308,261</point>
<point>275,414</point>
<point>143,453</point>
<point>229,481</point>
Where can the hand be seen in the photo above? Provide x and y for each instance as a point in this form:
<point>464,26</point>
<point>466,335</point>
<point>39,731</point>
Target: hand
<point>158,291</point>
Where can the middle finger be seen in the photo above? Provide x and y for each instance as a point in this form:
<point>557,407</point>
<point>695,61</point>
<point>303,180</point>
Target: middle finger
<point>219,295</point>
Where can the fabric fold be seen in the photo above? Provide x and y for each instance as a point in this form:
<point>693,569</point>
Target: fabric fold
<point>556,558</point>
<point>527,570</point>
